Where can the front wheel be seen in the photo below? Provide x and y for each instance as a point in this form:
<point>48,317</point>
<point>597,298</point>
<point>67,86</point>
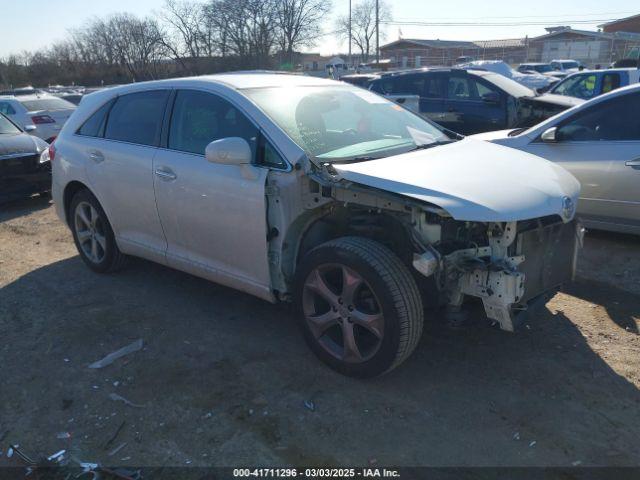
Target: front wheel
<point>359,307</point>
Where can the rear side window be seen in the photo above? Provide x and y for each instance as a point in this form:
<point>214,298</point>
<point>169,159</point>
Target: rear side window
<point>610,81</point>
<point>199,118</point>
<point>137,117</point>
<point>94,126</point>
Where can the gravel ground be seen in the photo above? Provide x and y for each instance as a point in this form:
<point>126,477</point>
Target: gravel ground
<point>223,377</point>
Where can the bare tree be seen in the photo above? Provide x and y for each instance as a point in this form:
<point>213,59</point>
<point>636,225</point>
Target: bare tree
<point>363,25</point>
<point>300,23</point>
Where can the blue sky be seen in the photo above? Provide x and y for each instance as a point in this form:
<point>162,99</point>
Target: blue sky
<point>45,21</point>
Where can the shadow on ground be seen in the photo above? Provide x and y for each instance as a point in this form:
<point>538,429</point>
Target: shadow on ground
<point>224,379</point>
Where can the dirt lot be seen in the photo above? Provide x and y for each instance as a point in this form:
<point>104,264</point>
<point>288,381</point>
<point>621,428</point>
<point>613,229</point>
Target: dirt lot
<point>223,377</point>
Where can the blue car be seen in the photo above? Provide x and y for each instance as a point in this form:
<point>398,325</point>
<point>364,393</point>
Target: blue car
<point>589,84</point>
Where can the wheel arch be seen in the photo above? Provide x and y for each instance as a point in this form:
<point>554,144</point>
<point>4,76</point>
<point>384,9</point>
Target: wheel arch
<point>312,230</point>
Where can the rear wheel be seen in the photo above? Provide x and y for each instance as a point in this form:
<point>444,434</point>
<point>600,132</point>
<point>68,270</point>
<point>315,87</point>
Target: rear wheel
<point>359,307</point>
<point>93,235</point>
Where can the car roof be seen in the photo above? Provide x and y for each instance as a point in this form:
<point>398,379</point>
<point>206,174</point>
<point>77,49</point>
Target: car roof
<point>534,63</point>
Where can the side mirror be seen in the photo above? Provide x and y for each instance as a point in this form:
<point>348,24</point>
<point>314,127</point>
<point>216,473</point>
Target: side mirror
<point>29,128</point>
<point>491,97</point>
<point>229,151</point>
<point>550,135</point>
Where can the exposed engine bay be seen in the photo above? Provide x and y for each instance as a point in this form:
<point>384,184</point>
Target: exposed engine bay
<point>506,265</point>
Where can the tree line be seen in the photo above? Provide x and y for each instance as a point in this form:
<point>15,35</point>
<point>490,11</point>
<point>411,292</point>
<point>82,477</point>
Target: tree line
<point>187,37</point>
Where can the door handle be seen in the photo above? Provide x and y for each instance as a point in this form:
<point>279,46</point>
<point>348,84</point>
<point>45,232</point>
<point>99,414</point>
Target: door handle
<point>96,156</point>
<point>165,174</point>
<point>633,163</point>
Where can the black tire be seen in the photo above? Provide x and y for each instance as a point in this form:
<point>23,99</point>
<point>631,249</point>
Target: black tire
<point>385,279</point>
<point>111,258</point>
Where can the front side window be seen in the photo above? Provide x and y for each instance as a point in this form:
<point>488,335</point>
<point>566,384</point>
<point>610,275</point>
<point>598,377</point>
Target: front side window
<point>613,120</point>
<point>6,127</point>
<point>6,108</point>
<point>460,88</point>
<point>199,118</point>
<point>579,86</point>
<point>137,117</point>
<point>344,123</point>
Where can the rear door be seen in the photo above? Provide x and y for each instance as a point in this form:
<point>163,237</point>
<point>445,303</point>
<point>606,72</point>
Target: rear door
<point>473,105</point>
<point>213,215</point>
<point>119,150</point>
<point>600,146</point>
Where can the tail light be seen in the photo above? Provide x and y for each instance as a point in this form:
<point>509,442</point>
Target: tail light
<point>52,152</point>
<point>40,119</point>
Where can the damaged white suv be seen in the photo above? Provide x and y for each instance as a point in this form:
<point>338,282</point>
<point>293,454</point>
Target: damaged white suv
<point>300,189</point>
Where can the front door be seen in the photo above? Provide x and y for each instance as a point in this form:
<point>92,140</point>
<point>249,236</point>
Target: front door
<point>600,146</point>
<point>213,215</point>
<point>468,108</point>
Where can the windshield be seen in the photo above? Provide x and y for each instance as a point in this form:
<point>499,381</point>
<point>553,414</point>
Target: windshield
<point>6,127</point>
<point>579,86</point>
<point>47,104</point>
<point>543,68</point>
<point>512,87</point>
<point>568,65</point>
<point>345,123</point>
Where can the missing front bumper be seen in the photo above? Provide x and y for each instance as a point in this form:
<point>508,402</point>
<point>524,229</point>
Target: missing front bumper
<point>541,259</point>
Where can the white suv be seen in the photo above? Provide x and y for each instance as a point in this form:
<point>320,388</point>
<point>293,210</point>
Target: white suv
<point>294,188</point>
<point>41,115</point>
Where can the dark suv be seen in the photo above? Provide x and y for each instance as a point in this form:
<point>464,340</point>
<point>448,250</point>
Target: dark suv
<point>465,101</point>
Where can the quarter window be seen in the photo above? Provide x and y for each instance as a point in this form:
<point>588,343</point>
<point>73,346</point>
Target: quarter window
<point>94,126</point>
<point>6,108</point>
<point>613,120</point>
<point>199,118</point>
<point>137,117</point>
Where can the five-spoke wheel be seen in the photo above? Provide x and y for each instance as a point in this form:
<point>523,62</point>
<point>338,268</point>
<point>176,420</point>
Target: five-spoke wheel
<point>360,308</point>
<point>92,233</point>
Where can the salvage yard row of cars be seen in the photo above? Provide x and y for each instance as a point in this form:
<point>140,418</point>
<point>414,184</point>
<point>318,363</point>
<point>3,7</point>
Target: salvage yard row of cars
<point>339,200</point>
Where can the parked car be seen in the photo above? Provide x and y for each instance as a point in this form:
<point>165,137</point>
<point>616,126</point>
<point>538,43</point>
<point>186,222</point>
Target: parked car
<point>535,81</point>
<point>24,163</point>
<point>566,65</point>
<point>299,188</point>
<point>359,79</point>
<point>46,112</point>
<point>542,68</point>
<point>533,110</point>
<point>464,101</point>
<point>590,84</point>
<point>599,143</point>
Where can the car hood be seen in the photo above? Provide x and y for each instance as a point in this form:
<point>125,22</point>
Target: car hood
<point>562,100</point>
<point>472,180</point>
<point>19,143</point>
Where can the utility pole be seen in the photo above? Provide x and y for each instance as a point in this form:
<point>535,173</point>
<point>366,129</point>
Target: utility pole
<point>377,33</point>
<point>350,58</point>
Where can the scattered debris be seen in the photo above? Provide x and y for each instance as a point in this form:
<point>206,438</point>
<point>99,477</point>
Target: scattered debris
<point>120,398</point>
<point>10,452</point>
<point>63,435</point>
<point>117,449</point>
<point>576,463</point>
<point>88,467</point>
<point>114,436</point>
<point>309,405</point>
<point>57,457</point>
<point>516,436</point>
<point>112,357</point>
<point>533,443</point>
